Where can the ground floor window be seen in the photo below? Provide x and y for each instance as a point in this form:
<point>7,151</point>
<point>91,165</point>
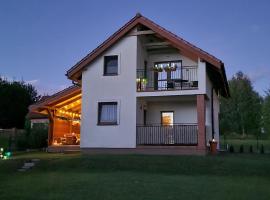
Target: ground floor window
<point>107,113</point>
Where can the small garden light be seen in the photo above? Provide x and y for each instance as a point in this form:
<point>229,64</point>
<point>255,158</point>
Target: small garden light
<point>8,154</point>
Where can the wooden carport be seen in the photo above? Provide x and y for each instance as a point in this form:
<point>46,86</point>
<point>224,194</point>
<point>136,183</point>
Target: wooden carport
<point>64,113</point>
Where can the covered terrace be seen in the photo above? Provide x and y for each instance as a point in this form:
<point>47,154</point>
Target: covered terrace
<point>64,113</point>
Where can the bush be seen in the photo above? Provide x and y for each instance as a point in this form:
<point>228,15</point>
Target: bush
<point>251,149</point>
<point>262,149</point>
<point>38,136</point>
<point>231,149</point>
<point>241,149</point>
<point>21,142</point>
<point>33,138</point>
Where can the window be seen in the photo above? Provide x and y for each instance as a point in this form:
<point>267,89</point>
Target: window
<point>166,118</point>
<point>110,65</point>
<point>107,113</point>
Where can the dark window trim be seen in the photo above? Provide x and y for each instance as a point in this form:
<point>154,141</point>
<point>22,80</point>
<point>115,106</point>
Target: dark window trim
<point>100,104</point>
<point>104,67</point>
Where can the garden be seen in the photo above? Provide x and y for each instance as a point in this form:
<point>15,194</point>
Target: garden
<point>62,176</point>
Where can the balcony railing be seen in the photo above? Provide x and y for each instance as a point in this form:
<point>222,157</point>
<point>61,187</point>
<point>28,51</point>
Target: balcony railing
<point>176,134</point>
<point>181,78</point>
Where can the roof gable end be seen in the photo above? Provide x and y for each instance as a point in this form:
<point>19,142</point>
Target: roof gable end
<point>75,72</point>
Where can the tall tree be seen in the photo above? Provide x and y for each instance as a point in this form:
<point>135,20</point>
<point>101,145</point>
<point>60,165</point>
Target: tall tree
<point>15,97</point>
<point>242,112</point>
<point>266,112</point>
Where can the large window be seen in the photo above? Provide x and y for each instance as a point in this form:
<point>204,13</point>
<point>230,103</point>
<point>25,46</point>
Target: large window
<point>107,113</point>
<point>110,65</point>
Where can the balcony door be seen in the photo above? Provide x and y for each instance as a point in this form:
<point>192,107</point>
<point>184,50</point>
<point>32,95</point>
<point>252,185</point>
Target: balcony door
<point>167,118</point>
<point>166,79</point>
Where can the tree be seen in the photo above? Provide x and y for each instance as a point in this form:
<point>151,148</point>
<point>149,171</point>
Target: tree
<point>16,96</point>
<point>242,112</point>
<point>266,112</point>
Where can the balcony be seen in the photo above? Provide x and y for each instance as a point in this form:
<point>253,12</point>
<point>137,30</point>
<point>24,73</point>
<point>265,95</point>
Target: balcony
<point>162,79</point>
<point>176,134</point>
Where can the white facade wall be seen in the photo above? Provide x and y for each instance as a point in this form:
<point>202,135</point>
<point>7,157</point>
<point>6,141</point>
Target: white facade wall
<point>122,89</point>
<point>208,121</point>
<point>97,88</point>
<point>216,118</point>
<point>184,111</point>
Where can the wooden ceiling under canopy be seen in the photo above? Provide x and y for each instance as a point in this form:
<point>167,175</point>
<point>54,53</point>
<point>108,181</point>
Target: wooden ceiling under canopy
<point>66,103</point>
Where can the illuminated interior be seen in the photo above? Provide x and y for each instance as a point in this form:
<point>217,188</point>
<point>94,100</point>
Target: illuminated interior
<point>67,121</point>
<point>167,118</point>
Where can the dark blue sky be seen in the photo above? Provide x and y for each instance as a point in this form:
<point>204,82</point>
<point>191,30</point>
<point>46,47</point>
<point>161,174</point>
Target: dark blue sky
<point>41,40</point>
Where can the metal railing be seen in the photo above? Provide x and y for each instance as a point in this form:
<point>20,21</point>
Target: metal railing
<point>182,78</point>
<point>176,134</point>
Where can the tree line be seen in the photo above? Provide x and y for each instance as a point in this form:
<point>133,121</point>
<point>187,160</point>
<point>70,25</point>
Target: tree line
<point>246,112</point>
<point>15,97</point>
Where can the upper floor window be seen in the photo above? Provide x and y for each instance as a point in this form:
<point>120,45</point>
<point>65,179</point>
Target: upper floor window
<point>110,65</point>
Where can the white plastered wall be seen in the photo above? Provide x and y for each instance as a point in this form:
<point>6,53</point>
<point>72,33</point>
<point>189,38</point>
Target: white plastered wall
<point>122,88</point>
<point>208,121</point>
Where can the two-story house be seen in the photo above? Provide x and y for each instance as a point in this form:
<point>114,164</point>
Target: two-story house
<point>142,90</point>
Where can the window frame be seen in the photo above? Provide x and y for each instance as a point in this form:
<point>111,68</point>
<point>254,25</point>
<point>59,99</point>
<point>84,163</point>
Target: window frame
<point>100,104</point>
<point>105,66</point>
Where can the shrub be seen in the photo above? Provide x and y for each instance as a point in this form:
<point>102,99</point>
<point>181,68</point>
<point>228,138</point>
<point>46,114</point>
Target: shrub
<point>21,142</point>
<point>38,136</point>
<point>251,149</point>
<point>231,149</point>
<point>33,138</point>
<point>241,149</point>
<point>262,149</point>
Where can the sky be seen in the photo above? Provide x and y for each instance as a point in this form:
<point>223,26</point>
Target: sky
<point>41,40</point>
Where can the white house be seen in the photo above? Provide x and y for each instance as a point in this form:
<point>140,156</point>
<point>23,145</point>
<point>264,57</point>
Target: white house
<point>143,90</point>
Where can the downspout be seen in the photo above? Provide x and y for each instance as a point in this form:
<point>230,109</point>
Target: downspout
<point>212,113</point>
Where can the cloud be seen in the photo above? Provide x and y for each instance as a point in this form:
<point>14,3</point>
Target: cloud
<point>33,82</point>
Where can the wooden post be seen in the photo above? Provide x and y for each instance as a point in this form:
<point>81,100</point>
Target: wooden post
<point>51,126</point>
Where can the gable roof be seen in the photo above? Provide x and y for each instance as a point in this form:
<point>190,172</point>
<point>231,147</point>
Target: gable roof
<point>55,98</point>
<point>185,47</point>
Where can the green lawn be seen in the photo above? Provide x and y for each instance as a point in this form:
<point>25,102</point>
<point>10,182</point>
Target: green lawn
<point>247,142</point>
<point>128,177</point>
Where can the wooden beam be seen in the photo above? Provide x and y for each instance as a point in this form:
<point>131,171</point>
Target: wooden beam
<point>68,101</point>
<point>147,32</point>
<point>156,44</point>
<point>51,126</point>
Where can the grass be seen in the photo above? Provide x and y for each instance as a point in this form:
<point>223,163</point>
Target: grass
<point>246,142</point>
<point>66,176</point>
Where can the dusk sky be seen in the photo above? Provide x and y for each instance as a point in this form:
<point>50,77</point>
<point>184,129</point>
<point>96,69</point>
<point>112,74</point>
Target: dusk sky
<point>41,40</point>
